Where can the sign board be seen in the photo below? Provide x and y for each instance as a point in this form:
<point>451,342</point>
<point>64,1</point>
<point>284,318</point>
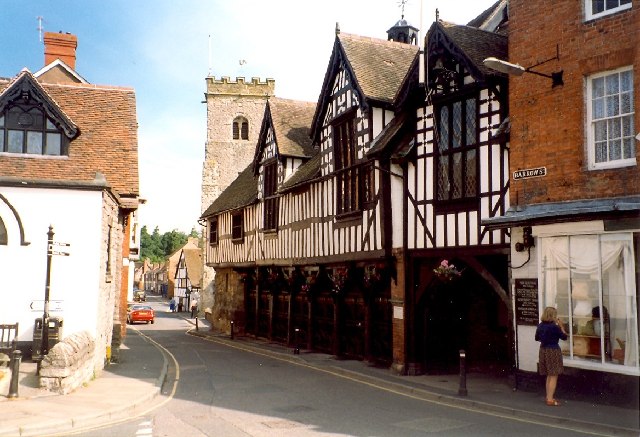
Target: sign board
<point>51,249</point>
<point>526,294</point>
<point>38,305</point>
<point>529,173</point>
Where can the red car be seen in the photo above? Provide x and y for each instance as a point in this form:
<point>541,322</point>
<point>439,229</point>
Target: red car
<point>140,313</point>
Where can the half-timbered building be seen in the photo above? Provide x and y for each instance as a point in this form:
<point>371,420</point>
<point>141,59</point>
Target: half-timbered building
<point>329,241</point>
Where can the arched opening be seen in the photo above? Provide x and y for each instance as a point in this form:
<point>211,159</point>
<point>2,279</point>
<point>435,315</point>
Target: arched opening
<point>240,128</point>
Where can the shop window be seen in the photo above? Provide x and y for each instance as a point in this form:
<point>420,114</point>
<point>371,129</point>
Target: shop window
<point>590,280</point>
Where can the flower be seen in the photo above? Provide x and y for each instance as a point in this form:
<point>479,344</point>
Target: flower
<point>446,271</point>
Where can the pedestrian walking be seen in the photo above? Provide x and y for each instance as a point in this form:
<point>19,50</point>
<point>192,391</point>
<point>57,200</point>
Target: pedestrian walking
<point>194,308</point>
<point>548,333</point>
<point>172,305</point>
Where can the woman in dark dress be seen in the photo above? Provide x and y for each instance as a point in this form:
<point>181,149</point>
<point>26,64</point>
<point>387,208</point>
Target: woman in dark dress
<point>549,332</point>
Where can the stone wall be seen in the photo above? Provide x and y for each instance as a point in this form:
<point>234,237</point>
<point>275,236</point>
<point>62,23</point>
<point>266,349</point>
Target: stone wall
<point>69,364</point>
<point>224,156</point>
<point>229,302</point>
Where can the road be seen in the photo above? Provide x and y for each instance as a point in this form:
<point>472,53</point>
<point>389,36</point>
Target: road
<point>216,390</point>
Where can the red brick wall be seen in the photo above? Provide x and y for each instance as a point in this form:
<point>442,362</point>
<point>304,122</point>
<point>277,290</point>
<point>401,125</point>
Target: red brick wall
<point>548,125</point>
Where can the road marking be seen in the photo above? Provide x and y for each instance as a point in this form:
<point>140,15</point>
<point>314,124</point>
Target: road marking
<point>581,429</point>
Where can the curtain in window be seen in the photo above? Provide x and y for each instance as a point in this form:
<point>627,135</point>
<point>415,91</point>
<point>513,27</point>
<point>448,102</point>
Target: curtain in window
<point>607,261</point>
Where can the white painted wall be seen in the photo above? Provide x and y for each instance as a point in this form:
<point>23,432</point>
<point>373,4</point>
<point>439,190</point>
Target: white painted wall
<point>76,219</point>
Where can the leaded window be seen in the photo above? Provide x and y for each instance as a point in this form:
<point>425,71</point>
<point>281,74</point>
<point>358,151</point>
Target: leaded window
<point>348,192</point>
<point>457,142</point>
<point>26,129</point>
<point>610,113</point>
<point>270,185</point>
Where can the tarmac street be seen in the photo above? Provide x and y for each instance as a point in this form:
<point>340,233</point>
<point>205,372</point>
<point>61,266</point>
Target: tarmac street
<point>178,379</point>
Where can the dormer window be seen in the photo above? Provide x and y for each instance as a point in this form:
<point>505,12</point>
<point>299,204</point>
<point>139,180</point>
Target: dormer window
<point>26,129</point>
<point>240,129</point>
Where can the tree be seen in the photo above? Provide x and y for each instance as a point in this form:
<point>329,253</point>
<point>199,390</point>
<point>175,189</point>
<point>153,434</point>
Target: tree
<point>157,248</point>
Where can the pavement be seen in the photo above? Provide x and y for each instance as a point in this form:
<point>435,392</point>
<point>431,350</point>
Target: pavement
<point>127,389</point>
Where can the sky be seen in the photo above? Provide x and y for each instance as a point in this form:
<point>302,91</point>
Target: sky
<point>165,49</point>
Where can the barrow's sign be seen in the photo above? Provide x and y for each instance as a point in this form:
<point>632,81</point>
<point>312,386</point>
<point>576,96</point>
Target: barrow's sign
<point>530,173</point>
<point>38,305</point>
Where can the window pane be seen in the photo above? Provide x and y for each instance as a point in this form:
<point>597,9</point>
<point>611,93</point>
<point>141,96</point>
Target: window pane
<point>625,103</point>
<point>614,128</point>
<point>456,183</point>
<point>597,6</point>
<point>1,141</point>
<point>443,144</point>
<point>598,87</point>
<point>598,108</point>
<point>443,179</point>
<point>471,122</point>
<point>601,151</point>
<point>50,125</point>
<point>457,125</point>
<point>470,175</point>
<point>16,139</point>
<point>626,81</point>
<point>628,150</point>
<point>34,142</point>
<point>53,144</point>
<point>600,130</point>
<point>2,121</point>
<point>613,106</point>
<point>612,84</point>
<point>236,130</point>
<point>615,150</point>
<point>245,130</point>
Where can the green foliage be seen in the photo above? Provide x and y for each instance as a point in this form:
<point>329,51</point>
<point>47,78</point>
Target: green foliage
<point>157,248</point>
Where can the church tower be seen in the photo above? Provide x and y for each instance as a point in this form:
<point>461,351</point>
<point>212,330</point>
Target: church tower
<point>234,116</point>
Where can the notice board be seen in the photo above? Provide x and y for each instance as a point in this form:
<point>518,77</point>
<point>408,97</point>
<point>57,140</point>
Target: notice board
<point>527,301</point>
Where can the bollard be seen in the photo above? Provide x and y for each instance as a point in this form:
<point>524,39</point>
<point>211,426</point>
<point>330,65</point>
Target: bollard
<point>232,330</point>
<point>462,390</point>
<point>296,349</point>
<point>196,323</point>
<point>16,357</point>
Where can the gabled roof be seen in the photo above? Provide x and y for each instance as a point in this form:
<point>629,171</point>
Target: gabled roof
<point>108,141</point>
<point>291,120</point>
<point>468,45</point>
<point>376,67</point>
<point>241,192</point>
<point>58,68</point>
<point>26,84</point>
<point>193,261</point>
<point>305,173</point>
<point>493,17</point>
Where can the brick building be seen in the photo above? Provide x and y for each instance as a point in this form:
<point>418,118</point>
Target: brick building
<point>575,187</point>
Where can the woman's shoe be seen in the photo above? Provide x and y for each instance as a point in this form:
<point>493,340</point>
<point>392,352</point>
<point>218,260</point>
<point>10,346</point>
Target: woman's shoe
<point>553,403</point>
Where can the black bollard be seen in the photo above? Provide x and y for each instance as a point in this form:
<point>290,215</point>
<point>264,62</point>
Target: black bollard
<point>296,349</point>
<point>462,390</point>
<point>16,357</point>
<point>232,330</point>
<point>196,323</point>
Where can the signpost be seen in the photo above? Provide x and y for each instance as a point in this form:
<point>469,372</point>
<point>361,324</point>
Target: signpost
<point>45,316</point>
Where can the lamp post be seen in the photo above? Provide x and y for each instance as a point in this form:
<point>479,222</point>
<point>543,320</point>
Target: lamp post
<point>518,70</point>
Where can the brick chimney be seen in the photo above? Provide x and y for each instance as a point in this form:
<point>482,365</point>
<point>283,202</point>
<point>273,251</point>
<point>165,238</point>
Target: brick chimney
<point>60,46</point>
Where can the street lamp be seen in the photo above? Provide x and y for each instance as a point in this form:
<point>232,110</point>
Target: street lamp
<point>519,70</point>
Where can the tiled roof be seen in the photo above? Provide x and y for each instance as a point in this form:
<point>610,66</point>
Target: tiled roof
<point>241,192</point>
<point>292,121</point>
<point>379,65</point>
<point>108,142</point>
<point>476,44</point>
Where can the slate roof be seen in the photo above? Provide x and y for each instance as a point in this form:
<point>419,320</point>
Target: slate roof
<point>107,143</point>
<point>241,192</point>
<point>291,122</point>
<point>379,65</point>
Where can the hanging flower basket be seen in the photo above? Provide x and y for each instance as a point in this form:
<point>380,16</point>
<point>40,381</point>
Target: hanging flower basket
<point>447,272</point>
